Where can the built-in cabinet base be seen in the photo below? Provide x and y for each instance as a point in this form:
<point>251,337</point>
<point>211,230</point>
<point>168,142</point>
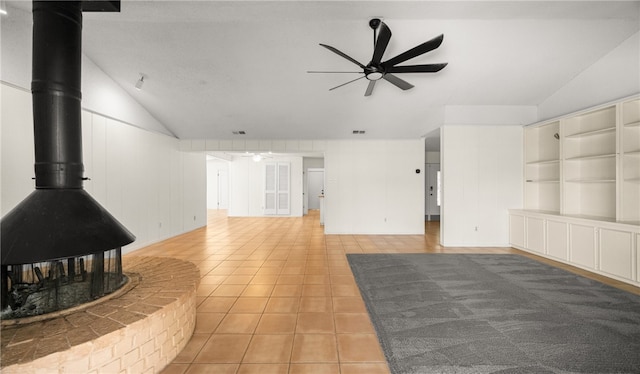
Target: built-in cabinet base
<point>608,248</point>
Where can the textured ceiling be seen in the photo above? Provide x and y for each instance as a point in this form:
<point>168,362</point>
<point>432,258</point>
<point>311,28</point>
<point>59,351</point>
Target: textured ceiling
<point>213,67</point>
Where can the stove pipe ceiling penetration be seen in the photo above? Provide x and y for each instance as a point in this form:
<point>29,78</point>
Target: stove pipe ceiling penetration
<point>59,219</point>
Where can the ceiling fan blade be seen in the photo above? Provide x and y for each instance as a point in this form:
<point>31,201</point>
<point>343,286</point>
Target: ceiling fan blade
<point>384,35</point>
<point>397,81</point>
<point>334,72</point>
<point>429,68</point>
<point>334,50</point>
<point>415,51</point>
<point>369,90</point>
<point>344,84</point>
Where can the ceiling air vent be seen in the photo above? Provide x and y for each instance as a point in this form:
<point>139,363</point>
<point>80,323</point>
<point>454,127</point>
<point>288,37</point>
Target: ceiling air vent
<point>240,132</point>
<point>358,132</point>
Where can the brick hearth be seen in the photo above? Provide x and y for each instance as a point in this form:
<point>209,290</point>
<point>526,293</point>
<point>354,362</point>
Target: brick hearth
<point>138,331</point>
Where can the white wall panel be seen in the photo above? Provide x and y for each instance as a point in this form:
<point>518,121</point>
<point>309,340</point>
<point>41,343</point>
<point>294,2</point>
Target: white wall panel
<point>115,172</point>
<point>194,190</point>
<point>17,147</point>
<point>239,187</point>
<point>255,192</point>
<point>517,230</point>
<point>405,188</point>
<point>176,194</point>
<point>87,150</point>
<point>372,188</point>
<point>481,180</point>
<point>139,176</point>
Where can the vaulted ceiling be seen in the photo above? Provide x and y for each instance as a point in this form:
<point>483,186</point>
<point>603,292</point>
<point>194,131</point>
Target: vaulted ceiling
<point>214,67</point>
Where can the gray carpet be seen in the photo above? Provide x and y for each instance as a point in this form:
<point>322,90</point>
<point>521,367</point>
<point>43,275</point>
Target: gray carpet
<point>468,313</point>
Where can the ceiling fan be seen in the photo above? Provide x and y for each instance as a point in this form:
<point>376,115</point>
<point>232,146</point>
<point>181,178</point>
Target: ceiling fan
<point>376,69</point>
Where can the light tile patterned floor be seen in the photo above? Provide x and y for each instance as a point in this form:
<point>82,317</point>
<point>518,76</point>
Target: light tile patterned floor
<point>278,296</point>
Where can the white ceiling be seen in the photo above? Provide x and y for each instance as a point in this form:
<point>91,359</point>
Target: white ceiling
<point>213,67</point>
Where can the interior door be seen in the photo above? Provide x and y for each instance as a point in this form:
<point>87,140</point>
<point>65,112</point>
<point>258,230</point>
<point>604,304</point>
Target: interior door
<point>270,188</point>
<point>284,181</point>
<point>315,185</point>
<point>432,186</point>
<point>277,188</point>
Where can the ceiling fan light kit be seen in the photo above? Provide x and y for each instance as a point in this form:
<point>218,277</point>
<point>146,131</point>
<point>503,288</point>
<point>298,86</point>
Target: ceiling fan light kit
<point>376,69</point>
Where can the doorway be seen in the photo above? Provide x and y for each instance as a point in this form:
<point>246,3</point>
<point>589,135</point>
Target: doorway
<point>315,186</point>
<point>432,193</point>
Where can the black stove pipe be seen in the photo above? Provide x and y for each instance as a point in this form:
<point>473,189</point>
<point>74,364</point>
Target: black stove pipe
<point>59,219</point>
<point>55,86</point>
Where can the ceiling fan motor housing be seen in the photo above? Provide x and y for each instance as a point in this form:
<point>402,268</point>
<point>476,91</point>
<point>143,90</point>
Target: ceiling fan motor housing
<point>373,73</point>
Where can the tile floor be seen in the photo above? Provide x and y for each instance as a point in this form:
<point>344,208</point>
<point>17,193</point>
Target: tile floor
<point>277,295</point>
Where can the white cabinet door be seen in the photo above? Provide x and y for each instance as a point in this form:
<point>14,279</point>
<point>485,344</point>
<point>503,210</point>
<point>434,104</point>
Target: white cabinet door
<point>616,253</point>
<point>535,234</point>
<point>557,240</point>
<point>637,258</point>
<point>582,245</point>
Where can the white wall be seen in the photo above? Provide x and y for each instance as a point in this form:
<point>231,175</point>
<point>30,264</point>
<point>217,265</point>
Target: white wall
<point>372,187</point>
<point>615,76</point>
<point>246,186</point>
<point>100,93</point>
<point>432,157</point>
<point>481,180</point>
<point>141,177</point>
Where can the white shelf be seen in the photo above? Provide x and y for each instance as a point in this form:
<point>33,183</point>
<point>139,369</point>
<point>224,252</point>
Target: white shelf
<point>632,124</point>
<point>591,132</point>
<point>590,180</point>
<point>632,153</point>
<point>542,162</point>
<point>635,180</point>
<point>543,181</point>
<point>591,157</point>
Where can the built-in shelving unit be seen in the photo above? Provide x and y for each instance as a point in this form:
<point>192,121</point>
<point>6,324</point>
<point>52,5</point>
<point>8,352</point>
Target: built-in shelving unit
<point>589,164</point>
<point>582,190</point>
<point>542,167</point>
<point>630,156</point>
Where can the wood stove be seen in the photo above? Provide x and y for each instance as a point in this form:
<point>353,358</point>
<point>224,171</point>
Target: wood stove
<point>59,242</point>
